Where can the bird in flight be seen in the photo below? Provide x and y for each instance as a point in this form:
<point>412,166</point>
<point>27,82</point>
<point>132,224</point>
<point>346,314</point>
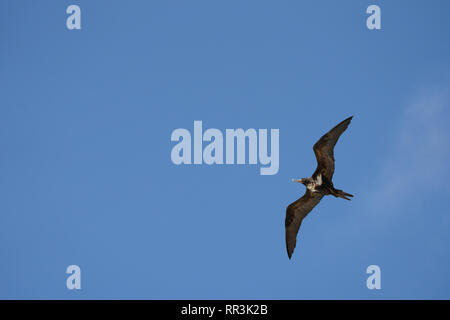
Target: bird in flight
<point>317,186</point>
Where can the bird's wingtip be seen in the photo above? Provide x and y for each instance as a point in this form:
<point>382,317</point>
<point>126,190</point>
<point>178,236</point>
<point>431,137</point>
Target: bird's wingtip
<point>290,254</point>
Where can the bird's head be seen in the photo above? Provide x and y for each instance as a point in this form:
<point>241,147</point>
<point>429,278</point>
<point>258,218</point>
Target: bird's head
<point>302,180</point>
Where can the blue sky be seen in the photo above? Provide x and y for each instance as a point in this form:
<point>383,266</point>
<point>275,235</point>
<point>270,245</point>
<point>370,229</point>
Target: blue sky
<point>85,171</point>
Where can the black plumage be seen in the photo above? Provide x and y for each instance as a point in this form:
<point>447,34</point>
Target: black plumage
<point>318,185</point>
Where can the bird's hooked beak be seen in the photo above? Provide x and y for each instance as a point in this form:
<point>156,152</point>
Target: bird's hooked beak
<point>299,180</point>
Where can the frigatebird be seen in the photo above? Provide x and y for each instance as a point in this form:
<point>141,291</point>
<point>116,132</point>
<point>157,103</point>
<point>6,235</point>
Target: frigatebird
<point>317,186</point>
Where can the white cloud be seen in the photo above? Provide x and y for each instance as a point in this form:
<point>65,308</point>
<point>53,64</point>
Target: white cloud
<point>420,155</point>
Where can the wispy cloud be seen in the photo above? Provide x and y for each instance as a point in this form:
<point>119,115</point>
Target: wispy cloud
<point>420,155</point>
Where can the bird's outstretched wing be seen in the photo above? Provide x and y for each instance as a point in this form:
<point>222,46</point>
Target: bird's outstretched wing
<point>295,213</point>
<point>324,149</point>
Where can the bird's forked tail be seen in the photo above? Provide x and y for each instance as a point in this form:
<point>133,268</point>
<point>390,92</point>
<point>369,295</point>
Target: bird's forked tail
<point>341,194</point>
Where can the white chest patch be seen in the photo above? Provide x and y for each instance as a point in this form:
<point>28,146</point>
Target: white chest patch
<point>318,181</point>
<point>315,183</point>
